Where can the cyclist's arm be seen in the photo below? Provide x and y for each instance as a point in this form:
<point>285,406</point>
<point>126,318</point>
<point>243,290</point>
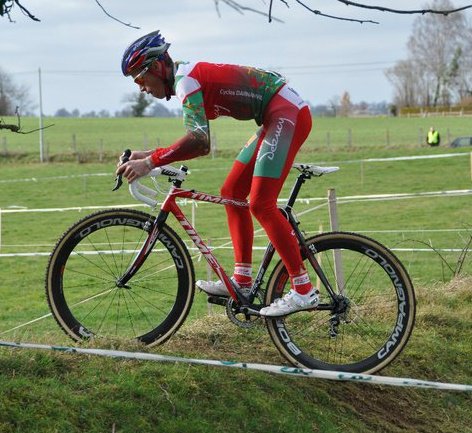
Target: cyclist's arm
<point>196,142</point>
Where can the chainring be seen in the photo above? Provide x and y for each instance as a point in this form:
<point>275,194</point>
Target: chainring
<point>240,318</point>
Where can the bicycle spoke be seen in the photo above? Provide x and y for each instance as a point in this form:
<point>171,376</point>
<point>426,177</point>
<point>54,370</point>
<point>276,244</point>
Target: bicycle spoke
<point>83,280</point>
<point>362,325</point>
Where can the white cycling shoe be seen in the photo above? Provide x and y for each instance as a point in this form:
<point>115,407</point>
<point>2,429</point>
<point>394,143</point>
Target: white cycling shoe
<point>291,303</point>
<point>215,288</point>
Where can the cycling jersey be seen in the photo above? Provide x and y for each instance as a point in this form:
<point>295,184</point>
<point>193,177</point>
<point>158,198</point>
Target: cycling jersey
<point>209,90</point>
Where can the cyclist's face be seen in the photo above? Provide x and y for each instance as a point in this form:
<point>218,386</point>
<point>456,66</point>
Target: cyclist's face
<point>149,81</point>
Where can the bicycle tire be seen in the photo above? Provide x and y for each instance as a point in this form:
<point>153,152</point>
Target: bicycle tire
<point>88,259</point>
<point>381,311</point>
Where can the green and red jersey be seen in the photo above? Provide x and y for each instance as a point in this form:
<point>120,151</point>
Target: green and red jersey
<point>211,90</point>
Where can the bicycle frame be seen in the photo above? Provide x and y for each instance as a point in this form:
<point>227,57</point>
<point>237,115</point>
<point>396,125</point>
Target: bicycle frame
<point>170,206</point>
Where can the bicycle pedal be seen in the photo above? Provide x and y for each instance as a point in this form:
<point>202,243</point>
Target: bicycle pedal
<point>217,300</point>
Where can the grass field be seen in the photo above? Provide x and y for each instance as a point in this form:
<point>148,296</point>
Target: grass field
<point>47,392</point>
<point>90,139</point>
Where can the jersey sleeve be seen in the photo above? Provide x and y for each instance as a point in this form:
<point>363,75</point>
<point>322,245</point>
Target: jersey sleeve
<point>189,91</point>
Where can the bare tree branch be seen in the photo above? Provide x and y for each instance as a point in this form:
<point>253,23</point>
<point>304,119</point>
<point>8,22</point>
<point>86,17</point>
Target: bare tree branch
<point>17,128</point>
<point>302,3</point>
<point>334,17</point>
<point>113,18</point>
<point>240,8</point>
<point>399,11</point>
<point>6,6</point>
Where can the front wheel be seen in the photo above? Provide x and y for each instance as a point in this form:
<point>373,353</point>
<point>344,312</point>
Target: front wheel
<point>88,260</point>
<point>369,322</point>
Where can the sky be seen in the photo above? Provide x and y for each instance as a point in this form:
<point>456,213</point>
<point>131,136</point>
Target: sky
<point>78,48</point>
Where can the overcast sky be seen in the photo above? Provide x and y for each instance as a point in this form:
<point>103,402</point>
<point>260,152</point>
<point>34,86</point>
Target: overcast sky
<point>79,48</point>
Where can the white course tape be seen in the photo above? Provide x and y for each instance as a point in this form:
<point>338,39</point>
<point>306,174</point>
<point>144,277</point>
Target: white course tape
<point>286,370</point>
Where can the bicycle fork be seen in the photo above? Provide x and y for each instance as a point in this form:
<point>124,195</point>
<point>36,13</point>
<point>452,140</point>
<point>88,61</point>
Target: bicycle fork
<point>153,230</point>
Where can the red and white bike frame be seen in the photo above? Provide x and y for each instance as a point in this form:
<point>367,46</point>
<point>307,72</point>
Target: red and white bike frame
<point>170,206</point>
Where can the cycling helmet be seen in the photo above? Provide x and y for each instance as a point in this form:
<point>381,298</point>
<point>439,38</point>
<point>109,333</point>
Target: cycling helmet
<point>144,51</point>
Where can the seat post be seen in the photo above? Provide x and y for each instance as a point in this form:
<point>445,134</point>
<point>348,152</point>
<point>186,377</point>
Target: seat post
<point>296,189</point>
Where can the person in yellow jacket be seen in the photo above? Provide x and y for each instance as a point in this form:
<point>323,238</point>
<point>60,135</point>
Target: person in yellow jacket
<point>433,138</point>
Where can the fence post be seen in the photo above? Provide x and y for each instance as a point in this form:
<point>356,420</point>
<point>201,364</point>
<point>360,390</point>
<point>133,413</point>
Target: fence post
<point>349,137</point>
<point>209,277</point>
<point>214,145</point>
<point>100,152</point>
<point>333,219</point>
<point>319,257</point>
<point>420,137</point>
<point>362,173</point>
<point>74,143</point>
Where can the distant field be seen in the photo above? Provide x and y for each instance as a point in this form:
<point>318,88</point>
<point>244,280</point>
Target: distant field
<point>91,139</point>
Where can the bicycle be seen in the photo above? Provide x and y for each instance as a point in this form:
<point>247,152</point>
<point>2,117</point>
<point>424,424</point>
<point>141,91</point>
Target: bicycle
<point>127,274</point>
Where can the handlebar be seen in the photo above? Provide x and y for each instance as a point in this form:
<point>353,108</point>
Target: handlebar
<point>119,179</point>
<point>166,170</point>
<point>145,194</point>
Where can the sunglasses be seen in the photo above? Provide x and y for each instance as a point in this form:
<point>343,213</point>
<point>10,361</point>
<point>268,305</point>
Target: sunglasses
<point>138,79</point>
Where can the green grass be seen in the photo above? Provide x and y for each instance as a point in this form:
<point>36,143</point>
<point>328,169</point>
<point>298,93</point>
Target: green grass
<point>52,392</point>
<point>94,139</point>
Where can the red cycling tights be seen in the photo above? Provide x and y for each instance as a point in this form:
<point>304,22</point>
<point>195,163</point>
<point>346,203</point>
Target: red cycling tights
<point>259,172</point>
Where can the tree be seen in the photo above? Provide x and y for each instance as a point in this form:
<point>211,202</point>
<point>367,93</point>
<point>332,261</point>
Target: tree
<point>345,105</point>
<point>62,112</point>
<point>334,103</point>
<point>160,110</point>
<point>438,68</point>
<point>406,84</point>
<point>139,103</point>
<point>12,96</point>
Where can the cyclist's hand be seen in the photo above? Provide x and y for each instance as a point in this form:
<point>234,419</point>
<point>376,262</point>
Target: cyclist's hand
<point>134,169</point>
<point>140,154</point>
<point>135,154</point>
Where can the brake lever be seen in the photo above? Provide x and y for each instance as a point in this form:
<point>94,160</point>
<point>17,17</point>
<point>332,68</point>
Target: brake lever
<point>123,159</point>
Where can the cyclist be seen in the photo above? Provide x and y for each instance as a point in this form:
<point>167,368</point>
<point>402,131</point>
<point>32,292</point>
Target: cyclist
<point>207,91</point>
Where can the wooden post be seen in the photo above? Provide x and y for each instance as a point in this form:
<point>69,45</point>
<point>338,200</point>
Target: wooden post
<point>319,258</point>
<point>362,173</point>
<point>333,218</point>
<point>209,277</point>
<point>74,143</point>
<point>214,146</point>
<point>100,151</point>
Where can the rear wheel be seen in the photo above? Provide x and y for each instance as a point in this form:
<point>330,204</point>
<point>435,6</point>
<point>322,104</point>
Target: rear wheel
<point>369,323</point>
<point>88,260</point>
